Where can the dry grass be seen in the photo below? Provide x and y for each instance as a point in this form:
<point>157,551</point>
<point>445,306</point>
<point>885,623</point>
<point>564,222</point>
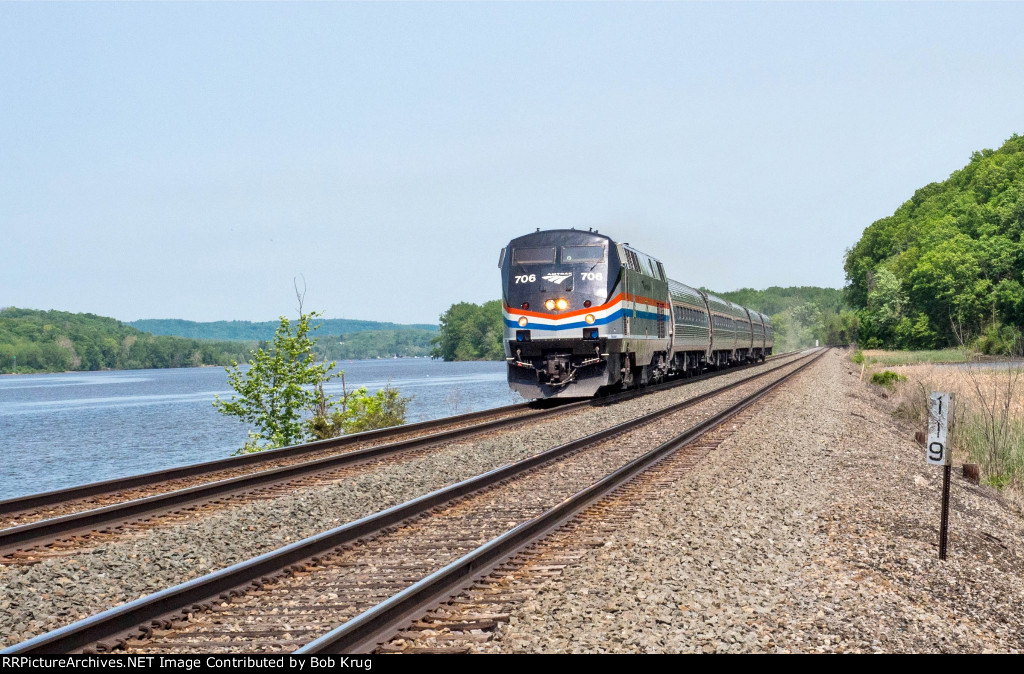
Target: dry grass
<point>989,414</point>
<point>970,381</point>
<point>891,358</point>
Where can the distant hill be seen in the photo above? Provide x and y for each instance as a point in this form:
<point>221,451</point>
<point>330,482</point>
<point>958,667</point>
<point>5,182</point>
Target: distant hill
<point>375,344</point>
<point>776,299</point>
<point>57,341</point>
<point>264,330</point>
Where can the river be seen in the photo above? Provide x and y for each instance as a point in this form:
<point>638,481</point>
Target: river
<point>59,430</point>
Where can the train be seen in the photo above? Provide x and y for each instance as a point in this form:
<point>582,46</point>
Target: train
<point>584,314</point>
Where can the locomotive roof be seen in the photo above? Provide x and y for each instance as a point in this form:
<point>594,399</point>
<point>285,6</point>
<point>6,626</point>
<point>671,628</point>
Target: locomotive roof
<point>553,236</point>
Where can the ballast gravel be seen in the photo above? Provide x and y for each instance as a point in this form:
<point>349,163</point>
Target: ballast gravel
<point>813,529</point>
<point>37,598</point>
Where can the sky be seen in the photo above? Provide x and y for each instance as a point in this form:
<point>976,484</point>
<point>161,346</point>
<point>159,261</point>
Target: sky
<point>189,160</point>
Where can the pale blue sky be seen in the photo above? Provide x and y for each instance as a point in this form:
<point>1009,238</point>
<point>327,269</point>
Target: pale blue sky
<point>187,160</point>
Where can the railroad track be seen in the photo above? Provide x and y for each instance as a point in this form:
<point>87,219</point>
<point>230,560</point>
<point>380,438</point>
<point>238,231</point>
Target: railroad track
<point>24,509</point>
<point>462,623</point>
<point>380,572</point>
<point>301,466</point>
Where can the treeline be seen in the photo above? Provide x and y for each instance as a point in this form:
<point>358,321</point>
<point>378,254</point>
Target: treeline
<point>375,344</point>
<point>58,341</point>
<point>947,267</point>
<point>262,331</point>
<point>470,332</point>
<point>775,300</point>
<point>800,316</point>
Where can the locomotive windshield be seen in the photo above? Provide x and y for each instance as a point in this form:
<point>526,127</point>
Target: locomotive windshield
<point>582,254</point>
<point>558,265</point>
<point>533,255</point>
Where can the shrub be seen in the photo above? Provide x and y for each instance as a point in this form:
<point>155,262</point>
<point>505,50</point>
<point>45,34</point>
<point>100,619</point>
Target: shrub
<point>887,378</point>
<point>999,340</point>
<point>359,412</point>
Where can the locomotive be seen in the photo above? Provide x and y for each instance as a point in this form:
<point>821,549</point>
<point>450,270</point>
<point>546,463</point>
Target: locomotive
<point>583,313</point>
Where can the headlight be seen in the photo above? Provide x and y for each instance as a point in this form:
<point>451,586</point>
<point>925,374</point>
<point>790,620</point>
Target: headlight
<point>589,318</point>
<point>523,321</point>
<point>562,304</point>
<point>549,305</point>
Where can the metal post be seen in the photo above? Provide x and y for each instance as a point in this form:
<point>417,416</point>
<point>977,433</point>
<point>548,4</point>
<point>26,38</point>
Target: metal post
<point>938,452</point>
<point>944,523</point>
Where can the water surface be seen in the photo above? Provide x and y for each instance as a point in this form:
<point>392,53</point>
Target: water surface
<point>59,430</point>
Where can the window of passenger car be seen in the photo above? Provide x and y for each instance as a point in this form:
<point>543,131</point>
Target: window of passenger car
<point>533,255</point>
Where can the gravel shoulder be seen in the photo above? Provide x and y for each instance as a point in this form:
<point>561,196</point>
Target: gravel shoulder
<point>813,529</point>
<point>61,590</point>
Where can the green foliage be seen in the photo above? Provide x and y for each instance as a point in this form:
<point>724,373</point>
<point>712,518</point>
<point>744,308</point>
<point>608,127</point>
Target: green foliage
<point>775,300</point>
<point>282,394</point>
<point>342,338</point>
<point>283,381</point>
<point>887,378</point>
<point>998,481</point>
<point>857,356</point>
<point>801,315</point>
<point>470,332</point>
<point>376,344</point>
<point>262,331</point>
<point>58,341</point>
<point>948,265</point>
<point>360,412</point>
<point>999,340</point>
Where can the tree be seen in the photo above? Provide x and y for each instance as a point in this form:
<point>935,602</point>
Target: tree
<point>54,341</point>
<point>470,332</point>
<point>948,265</point>
<point>280,386</point>
<point>285,381</point>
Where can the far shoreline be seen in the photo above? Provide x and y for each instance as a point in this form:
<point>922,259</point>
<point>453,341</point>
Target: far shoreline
<point>199,367</point>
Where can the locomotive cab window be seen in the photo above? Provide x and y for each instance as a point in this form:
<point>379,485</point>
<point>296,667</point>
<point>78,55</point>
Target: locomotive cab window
<point>533,255</point>
<point>582,254</point>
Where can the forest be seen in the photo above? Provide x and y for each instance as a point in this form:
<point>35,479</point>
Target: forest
<point>375,344</point>
<point>58,341</point>
<point>263,330</point>
<point>947,267</point>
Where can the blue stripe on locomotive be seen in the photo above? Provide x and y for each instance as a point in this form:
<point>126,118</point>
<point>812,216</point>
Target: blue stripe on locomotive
<point>583,324</point>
